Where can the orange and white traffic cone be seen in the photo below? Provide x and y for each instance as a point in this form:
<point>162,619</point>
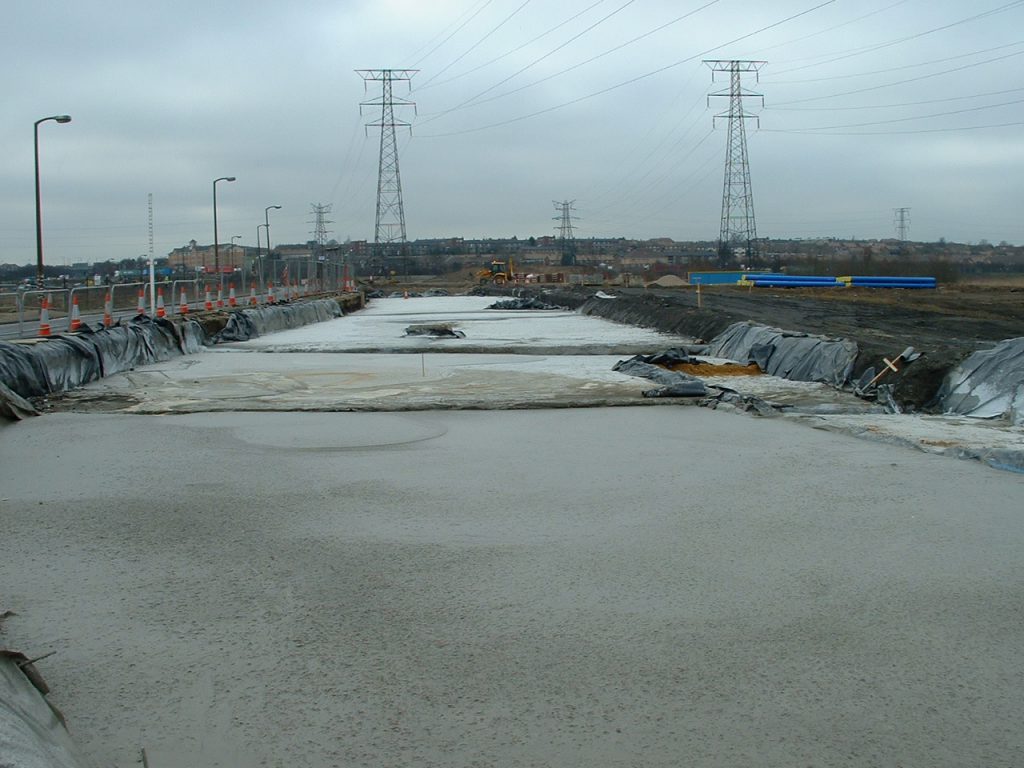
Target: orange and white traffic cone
<point>108,311</point>
<point>161,310</point>
<point>208,304</point>
<point>184,302</point>
<point>252,294</point>
<point>270,293</point>
<point>220,298</point>
<point>141,308</point>
<point>232,300</point>
<point>44,317</point>
<point>76,316</point>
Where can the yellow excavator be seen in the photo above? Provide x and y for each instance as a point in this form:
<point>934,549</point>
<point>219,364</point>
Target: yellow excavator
<point>499,273</point>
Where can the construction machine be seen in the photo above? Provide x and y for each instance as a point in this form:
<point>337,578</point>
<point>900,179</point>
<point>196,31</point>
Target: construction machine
<point>499,273</point>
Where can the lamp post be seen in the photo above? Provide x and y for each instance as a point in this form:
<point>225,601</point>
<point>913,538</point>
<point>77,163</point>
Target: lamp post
<point>234,251</point>
<point>216,248</point>
<point>259,255</point>
<point>39,214</point>
<point>266,220</point>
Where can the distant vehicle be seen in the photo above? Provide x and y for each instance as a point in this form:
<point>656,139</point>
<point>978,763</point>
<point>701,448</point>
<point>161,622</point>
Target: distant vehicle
<point>499,273</point>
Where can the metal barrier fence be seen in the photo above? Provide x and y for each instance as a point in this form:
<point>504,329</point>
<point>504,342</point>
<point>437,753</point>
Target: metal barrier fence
<point>126,299</point>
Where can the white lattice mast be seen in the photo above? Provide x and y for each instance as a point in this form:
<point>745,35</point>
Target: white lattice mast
<point>738,233</point>
<point>389,227</point>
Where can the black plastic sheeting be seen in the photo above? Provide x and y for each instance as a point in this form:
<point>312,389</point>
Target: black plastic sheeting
<point>62,363</point>
<point>988,384</point>
<point>673,383</point>
<point>523,303</point>
<point>247,324</point>
<point>788,355</point>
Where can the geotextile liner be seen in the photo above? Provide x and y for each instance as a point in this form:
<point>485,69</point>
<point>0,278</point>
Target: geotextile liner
<point>788,355</point>
<point>673,383</point>
<point>32,733</point>
<point>64,362</point>
<point>247,324</point>
<point>988,384</point>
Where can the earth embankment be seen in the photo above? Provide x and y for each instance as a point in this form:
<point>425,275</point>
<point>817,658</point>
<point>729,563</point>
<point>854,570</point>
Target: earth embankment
<point>945,324</point>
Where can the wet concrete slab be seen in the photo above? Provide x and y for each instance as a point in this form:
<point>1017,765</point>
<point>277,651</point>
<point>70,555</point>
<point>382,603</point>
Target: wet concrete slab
<point>616,586</point>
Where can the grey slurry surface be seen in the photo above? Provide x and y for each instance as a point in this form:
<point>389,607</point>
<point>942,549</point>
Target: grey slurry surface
<point>599,587</point>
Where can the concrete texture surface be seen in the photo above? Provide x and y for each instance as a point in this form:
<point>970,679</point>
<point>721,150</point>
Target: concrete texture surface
<point>598,587</point>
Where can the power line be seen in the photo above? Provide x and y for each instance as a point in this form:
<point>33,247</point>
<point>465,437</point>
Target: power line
<point>832,28</point>
<point>514,50</point>
<point>454,32</point>
<point>900,82</point>
<point>894,69</point>
<point>908,119</point>
<point>809,132</point>
<point>895,106</point>
<point>519,71</point>
<point>636,79</point>
<point>471,48</point>
<point>898,41</point>
<point>581,63</point>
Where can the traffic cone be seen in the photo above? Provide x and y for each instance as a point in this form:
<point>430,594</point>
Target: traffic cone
<point>208,304</point>
<point>220,298</point>
<point>76,317</point>
<point>270,293</point>
<point>141,308</point>
<point>108,311</point>
<point>252,294</point>
<point>184,301</point>
<point>161,311</point>
<point>232,301</point>
<point>44,317</point>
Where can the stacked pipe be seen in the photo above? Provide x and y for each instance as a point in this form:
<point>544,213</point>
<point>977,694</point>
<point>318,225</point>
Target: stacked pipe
<point>882,281</point>
<point>773,280</point>
<point>778,280</point>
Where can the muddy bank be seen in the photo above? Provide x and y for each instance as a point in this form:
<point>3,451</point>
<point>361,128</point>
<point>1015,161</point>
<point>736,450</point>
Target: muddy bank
<point>945,326</point>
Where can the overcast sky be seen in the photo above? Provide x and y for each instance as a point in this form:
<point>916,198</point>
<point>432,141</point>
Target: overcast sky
<point>869,106</point>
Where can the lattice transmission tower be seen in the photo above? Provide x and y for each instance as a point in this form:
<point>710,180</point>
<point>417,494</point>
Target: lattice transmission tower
<point>389,228</point>
<point>738,234</point>
<point>320,221</point>
<point>901,220</point>
<point>566,238</point>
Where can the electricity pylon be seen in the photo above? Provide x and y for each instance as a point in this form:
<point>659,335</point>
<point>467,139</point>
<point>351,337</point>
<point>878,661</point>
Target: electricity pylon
<point>901,219</point>
<point>566,239</point>
<point>320,221</point>
<point>738,232</point>
<point>390,221</point>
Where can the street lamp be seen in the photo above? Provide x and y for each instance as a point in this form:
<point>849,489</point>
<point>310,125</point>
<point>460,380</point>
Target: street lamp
<point>216,248</point>
<point>259,254</point>
<point>39,214</point>
<point>234,251</point>
<point>266,219</point>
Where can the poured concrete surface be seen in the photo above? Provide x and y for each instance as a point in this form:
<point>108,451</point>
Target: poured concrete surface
<point>599,587</point>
